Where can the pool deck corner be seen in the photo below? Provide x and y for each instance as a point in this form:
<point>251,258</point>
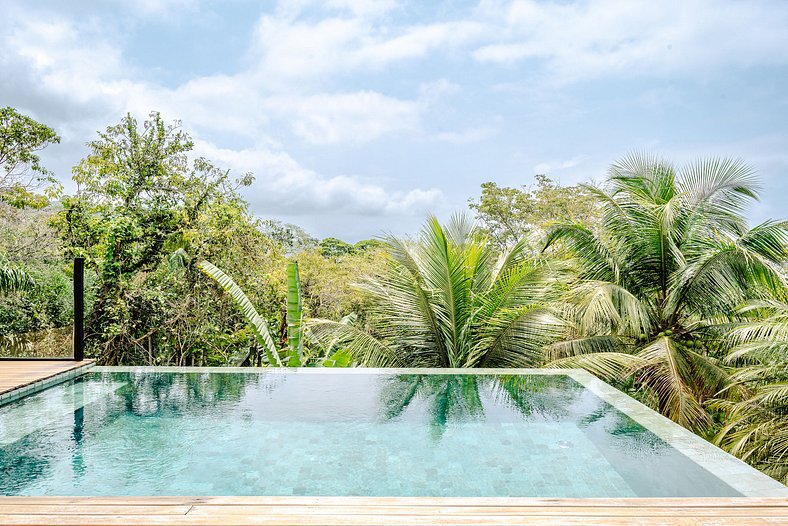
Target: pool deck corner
<point>20,378</point>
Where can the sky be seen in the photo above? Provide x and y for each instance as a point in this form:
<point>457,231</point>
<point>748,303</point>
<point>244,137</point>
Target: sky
<point>360,117</point>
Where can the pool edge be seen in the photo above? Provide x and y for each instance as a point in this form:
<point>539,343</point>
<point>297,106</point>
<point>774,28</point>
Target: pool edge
<point>43,383</point>
<point>736,473</point>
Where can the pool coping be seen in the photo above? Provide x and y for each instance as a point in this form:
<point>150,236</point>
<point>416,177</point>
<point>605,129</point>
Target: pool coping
<point>739,475</point>
<point>736,473</point>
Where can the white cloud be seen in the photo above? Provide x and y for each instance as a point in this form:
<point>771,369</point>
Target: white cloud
<point>345,117</point>
<point>417,41</point>
<point>338,72</point>
<point>467,135</point>
<point>288,51</point>
<point>556,166</point>
<point>82,70</point>
<point>283,186</point>
<point>430,92</point>
<point>366,8</point>
<point>590,39</point>
<point>57,53</point>
<point>157,7</point>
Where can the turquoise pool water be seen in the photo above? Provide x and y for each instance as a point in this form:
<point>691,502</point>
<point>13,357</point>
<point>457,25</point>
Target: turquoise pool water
<point>155,433</point>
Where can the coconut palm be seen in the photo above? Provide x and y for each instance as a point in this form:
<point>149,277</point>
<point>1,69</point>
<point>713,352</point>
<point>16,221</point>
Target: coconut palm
<point>448,299</point>
<point>672,251</point>
<point>756,428</point>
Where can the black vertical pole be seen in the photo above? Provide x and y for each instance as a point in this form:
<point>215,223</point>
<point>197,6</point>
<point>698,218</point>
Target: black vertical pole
<point>79,309</point>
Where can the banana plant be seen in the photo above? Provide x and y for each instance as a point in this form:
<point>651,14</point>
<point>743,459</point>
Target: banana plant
<point>295,317</point>
<point>296,328</point>
<point>257,322</point>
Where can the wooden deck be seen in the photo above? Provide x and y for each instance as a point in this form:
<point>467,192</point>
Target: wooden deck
<point>15,374</point>
<point>331,511</point>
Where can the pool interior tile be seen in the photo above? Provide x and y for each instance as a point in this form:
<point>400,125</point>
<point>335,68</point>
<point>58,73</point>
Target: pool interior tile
<point>551,470</point>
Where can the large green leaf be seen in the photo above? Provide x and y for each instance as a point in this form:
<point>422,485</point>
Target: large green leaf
<point>449,299</point>
<point>295,316</point>
<point>258,324</point>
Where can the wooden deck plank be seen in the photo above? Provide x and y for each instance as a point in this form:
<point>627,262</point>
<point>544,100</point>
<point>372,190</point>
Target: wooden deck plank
<point>352,520</point>
<point>79,509</point>
<point>437,511</point>
<point>329,511</point>
<point>15,374</point>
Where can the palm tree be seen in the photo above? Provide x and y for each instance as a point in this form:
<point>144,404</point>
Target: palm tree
<point>756,428</point>
<point>447,299</point>
<point>671,255</point>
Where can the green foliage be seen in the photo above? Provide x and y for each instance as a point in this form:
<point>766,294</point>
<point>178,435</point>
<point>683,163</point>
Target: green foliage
<point>672,252</point>
<point>13,278</point>
<point>756,427</point>
<point>292,238</point>
<point>332,247</point>
<point>21,171</point>
<point>295,352</point>
<point>36,320</point>
<point>35,287</point>
<point>447,300</point>
<point>508,214</point>
<point>140,200</point>
<point>295,316</point>
<point>653,281</point>
<point>327,283</point>
<point>257,323</point>
<point>366,245</point>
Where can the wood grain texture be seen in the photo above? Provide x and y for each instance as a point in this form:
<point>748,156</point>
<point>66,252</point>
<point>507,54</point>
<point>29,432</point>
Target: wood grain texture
<point>304,511</point>
<point>16,374</point>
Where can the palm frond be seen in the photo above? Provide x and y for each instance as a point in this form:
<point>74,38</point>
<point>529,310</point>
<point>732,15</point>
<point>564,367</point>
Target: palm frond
<point>567,348</point>
<point>668,374</point>
<point>515,337</point>
<point>716,191</point>
<point>603,307</point>
<point>295,316</point>
<point>606,365</point>
<point>365,348</point>
<point>596,260</point>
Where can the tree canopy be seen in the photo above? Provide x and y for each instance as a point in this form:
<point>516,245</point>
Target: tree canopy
<point>21,170</point>
<point>509,215</point>
<point>448,299</point>
<point>673,254</point>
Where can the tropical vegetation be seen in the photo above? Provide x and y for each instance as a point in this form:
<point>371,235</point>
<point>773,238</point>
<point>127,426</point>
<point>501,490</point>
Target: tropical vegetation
<point>450,299</point>
<point>672,258</point>
<point>652,279</point>
<point>756,425</point>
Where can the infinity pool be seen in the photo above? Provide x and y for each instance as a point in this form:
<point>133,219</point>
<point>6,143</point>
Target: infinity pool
<point>129,432</point>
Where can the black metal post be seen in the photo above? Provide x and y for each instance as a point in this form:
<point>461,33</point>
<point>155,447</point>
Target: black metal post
<point>79,309</point>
